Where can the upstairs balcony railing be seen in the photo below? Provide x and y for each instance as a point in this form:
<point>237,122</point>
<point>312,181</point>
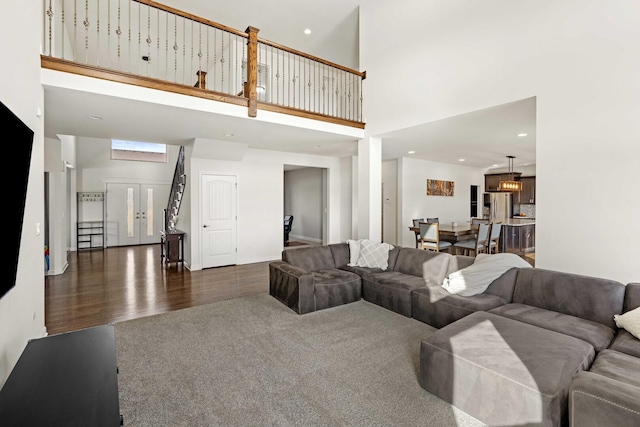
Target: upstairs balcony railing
<point>148,44</point>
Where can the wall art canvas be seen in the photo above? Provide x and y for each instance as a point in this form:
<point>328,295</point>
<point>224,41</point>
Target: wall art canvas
<point>436,187</point>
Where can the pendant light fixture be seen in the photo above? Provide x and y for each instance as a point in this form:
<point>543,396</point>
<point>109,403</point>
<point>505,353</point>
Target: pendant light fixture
<point>511,184</point>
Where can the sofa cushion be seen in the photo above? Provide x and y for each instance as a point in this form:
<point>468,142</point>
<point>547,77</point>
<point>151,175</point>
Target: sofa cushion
<point>340,253</point>
<point>335,287</point>
<point>476,278</point>
<point>311,258</point>
<point>361,271</point>
<point>587,297</point>
<point>374,254</point>
<point>458,262</point>
<point>437,307</point>
<point>596,401</point>
<point>412,261</point>
<point>501,371</point>
<point>624,342</point>
<point>630,321</point>
<point>354,250</point>
<point>631,297</point>
<point>618,366</point>
<point>596,334</point>
<point>504,285</point>
<point>391,290</point>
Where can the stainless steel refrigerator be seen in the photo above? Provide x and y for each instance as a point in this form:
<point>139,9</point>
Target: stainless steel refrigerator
<point>498,206</point>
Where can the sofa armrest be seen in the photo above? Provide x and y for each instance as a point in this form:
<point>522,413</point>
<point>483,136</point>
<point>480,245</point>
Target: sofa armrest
<point>596,400</point>
<point>293,286</point>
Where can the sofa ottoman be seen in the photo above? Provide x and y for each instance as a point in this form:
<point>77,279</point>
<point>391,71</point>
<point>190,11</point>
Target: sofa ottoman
<point>607,395</point>
<point>503,371</point>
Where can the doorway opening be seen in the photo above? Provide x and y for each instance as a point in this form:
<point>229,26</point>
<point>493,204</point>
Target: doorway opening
<point>305,198</point>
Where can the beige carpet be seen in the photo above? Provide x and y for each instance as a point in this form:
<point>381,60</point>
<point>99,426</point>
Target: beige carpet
<point>254,362</point>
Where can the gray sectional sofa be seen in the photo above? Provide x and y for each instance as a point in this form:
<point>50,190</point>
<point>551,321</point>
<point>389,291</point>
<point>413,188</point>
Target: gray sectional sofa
<point>319,277</point>
<point>538,347</point>
<point>609,392</point>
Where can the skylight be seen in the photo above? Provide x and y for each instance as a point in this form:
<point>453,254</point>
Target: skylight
<point>138,151</point>
<point>147,147</point>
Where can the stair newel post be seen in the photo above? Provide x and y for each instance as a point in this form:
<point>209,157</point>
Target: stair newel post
<point>202,79</point>
<point>251,85</point>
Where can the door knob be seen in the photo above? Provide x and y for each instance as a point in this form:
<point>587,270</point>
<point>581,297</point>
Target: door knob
<point>205,226</point>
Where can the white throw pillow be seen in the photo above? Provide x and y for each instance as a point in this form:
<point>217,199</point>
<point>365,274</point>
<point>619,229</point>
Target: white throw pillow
<point>374,254</point>
<point>629,321</point>
<point>476,278</point>
<point>354,252</point>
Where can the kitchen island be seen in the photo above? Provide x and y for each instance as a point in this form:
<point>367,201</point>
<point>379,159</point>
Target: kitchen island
<point>518,235</point>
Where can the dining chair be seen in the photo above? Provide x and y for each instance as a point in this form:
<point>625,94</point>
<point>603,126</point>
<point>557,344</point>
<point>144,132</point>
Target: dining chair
<point>476,221</point>
<point>494,237</point>
<point>476,245</point>
<point>288,222</point>
<point>433,220</point>
<point>430,237</point>
<point>416,223</point>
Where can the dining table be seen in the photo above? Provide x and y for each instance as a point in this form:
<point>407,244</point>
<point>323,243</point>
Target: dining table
<point>453,233</point>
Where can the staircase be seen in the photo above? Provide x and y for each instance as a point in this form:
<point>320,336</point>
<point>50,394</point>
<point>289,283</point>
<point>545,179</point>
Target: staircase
<point>177,191</point>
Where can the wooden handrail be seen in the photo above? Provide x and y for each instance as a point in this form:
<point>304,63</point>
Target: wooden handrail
<point>362,74</point>
<point>192,17</point>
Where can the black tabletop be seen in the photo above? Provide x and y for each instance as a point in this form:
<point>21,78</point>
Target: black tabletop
<point>66,380</point>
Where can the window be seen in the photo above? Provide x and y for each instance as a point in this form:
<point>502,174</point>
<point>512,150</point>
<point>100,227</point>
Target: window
<point>138,151</point>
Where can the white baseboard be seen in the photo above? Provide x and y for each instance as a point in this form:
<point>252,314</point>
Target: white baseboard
<point>308,239</point>
<point>261,259</point>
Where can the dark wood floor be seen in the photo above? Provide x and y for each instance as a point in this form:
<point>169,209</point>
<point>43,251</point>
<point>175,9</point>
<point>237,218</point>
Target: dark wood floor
<point>123,283</point>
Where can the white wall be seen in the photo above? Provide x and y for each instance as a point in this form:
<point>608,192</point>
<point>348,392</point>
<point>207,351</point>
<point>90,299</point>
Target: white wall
<point>260,201</point>
<point>61,214</point>
<point>416,204</point>
<point>577,57</point>
<point>303,200</point>
<point>22,308</point>
<point>95,166</point>
<point>346,197</point>
<point>390,201</point>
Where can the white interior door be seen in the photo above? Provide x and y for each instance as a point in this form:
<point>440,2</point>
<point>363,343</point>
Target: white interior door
<point>219,219</point>
<point>134,213</point>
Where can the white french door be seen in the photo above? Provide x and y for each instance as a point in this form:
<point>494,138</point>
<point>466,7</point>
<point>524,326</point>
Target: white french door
<point>134,213</point>
<point>219,218</point>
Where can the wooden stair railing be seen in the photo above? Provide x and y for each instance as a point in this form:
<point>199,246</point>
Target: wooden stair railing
<point>177,191</point>
<point>338,87</point>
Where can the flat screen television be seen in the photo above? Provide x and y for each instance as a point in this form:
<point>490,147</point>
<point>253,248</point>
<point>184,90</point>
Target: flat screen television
<point>20,142</point>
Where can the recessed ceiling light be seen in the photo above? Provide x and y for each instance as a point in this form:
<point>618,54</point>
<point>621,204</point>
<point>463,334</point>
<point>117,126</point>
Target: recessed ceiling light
<point>412,152</point>
<point>229,134</point>
<point>461,160</point>
<point>307,31</point>
<point>522,134</point>
<point>95,117</point>
<point>495,166</point>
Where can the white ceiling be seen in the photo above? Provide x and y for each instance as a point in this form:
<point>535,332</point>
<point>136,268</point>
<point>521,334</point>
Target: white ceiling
<point>333,23</point>
<point>483,137</point>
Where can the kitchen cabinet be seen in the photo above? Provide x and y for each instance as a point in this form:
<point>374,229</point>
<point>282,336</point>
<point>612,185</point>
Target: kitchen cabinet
<point>492,180</point>
<point>528,193</point>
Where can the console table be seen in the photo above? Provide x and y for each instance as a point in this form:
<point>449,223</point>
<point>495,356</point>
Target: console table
<point>172,247</point>
<point>69,379</point>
